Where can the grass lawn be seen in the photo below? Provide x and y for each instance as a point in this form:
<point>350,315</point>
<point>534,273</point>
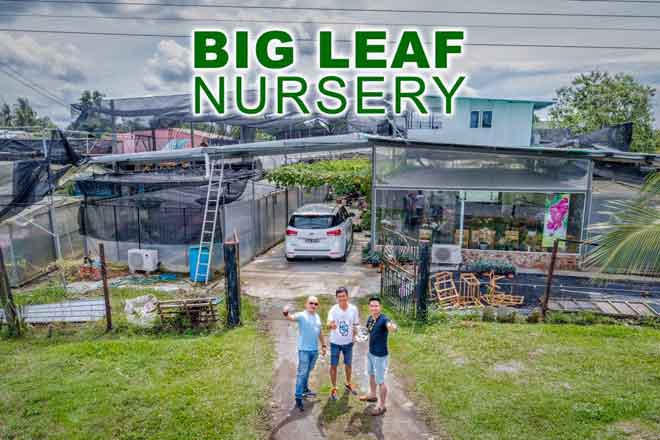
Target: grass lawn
<point>83,384</point>
<point>534,381</point>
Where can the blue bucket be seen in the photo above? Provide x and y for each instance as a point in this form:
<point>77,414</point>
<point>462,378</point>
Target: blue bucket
<point>193,253</point>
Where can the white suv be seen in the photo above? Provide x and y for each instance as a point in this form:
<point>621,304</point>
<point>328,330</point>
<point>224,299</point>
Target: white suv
<point>319,231</point>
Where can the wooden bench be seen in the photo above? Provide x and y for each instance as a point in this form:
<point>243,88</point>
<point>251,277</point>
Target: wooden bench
<point>198,311</point>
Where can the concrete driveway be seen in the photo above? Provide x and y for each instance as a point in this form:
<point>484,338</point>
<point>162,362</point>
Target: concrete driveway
<point>271,276</point>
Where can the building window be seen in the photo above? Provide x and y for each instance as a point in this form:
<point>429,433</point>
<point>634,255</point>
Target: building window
<point>474,119</point>
<point>492,220</point>
<point>487,119</point>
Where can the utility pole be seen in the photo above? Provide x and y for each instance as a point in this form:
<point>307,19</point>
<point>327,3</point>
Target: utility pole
<point>7,301</point>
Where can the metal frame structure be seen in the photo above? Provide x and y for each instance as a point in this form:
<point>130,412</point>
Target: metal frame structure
<point>522,152</point>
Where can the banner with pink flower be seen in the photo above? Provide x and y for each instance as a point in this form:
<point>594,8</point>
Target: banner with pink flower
<point>556,219</point>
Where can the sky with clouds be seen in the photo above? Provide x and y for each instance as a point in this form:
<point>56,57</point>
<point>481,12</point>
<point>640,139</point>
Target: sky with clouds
<point>137,66</point>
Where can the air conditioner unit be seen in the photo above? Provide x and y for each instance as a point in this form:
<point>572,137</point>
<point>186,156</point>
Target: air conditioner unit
<point>142,259</point>
<point>446,254</point>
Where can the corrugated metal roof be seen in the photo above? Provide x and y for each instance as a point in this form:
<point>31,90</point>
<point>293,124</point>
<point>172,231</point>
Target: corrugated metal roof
<point>571,153</point>
<point>266,148</point>
<point>360,140</point>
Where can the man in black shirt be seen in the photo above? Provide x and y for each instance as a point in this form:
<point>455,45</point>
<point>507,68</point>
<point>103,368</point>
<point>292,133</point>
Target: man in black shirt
<point>379,326</point>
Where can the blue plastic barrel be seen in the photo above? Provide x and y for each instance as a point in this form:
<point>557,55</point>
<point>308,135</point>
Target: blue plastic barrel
<point>193,253</point>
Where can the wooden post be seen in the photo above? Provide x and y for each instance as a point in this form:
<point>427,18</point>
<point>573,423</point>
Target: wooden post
<point>154,147</point>
<point>7,301</point>
<point>232,284</point>
<point>548,285</point>
<point>113,125</point>
<point>423,280</point>
<point>192,135</point>
<point>106,291</point>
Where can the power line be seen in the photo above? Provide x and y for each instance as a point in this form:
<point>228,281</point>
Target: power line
<point>34,89</point>
<point>331,9</point>
<point>33,84</point>
<point>18,76</point>
<point>351,23</point>
<point>652,2</point>
<point>311,40</point>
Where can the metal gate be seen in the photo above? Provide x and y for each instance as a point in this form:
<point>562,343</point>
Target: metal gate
<point>404,277</point>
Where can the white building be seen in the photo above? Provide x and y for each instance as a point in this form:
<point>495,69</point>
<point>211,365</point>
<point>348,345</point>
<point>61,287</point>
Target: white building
<point>477,121</point>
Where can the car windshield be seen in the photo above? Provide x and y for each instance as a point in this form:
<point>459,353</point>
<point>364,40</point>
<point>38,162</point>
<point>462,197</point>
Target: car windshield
<point>311,221</point>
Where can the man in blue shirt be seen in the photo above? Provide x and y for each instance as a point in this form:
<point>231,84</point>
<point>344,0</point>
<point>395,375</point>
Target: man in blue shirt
<point>379,326</point>
<point>309,333</point>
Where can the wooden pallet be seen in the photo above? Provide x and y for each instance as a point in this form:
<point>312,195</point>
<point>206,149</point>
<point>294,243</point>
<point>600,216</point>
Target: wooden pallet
<point>469,290</point>
<point>198,311</point>
<point>610,307</point>
<point>446,293</point>
<point>496,297</point>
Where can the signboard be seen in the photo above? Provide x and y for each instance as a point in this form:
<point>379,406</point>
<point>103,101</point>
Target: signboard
<point>556,219</point>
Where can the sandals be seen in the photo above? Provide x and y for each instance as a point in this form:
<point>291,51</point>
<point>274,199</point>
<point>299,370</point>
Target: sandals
<point>350,389</point>
<point>378,411</point>
<point>367,398</point>
<point>333,394</point>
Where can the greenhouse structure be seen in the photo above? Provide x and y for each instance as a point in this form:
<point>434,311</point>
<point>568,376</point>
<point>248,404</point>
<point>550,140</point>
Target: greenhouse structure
<point>476,201</point>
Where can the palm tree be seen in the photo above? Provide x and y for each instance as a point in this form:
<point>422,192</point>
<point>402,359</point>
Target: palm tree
<point>5,115</point>
<point>630,241</point>
<point>24,115</point>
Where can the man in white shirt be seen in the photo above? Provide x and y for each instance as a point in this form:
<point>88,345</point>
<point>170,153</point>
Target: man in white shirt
<point>343,321</point>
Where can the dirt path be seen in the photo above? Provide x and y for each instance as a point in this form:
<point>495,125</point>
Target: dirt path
<point>276,282</point>
<point>324,419</point>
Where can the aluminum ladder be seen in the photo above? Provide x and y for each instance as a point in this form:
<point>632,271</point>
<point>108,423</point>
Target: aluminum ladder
<point>210,219</point>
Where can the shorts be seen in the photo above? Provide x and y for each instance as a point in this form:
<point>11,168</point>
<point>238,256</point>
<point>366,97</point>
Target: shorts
<point>335,350</point>
<point>377,367</point>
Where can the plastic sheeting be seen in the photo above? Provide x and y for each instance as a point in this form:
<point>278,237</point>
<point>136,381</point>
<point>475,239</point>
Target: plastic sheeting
<point>33,179</point>
<point>27,246</point>
<point>60,150</point>
<point>178,108</point>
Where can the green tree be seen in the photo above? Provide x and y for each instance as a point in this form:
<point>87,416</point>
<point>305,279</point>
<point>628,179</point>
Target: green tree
<point>93,122</point>
<point>5,115</point>
<point>345,176</point>
<point>597,100</point>
<point>90,98</point>
<point>23,114</point>
<point>630,241</point>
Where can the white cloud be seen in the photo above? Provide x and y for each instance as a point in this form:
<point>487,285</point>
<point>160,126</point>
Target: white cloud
<point>169,67</point>
<point>54,60</point>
